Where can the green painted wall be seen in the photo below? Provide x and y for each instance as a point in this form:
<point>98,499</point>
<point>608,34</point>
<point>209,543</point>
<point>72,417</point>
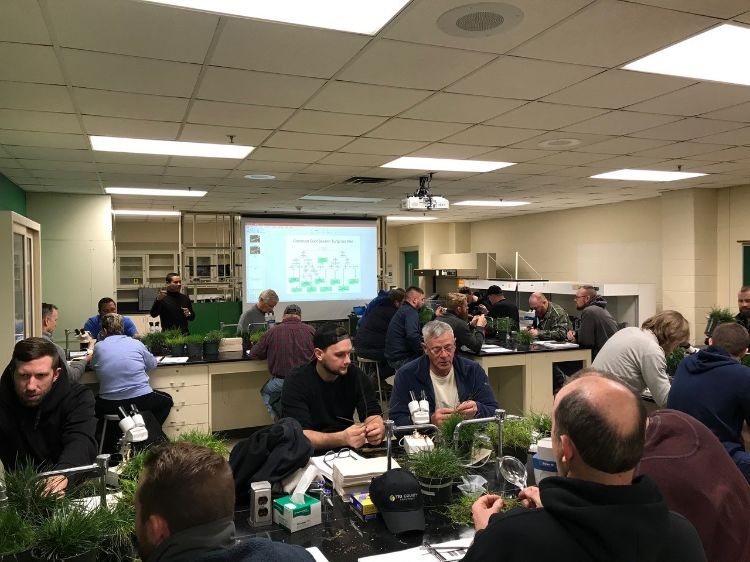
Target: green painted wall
<point>209,314</point>
<point>12,197</point>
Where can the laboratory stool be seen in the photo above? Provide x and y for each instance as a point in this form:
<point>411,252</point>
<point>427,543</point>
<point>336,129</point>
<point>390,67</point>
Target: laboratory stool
<point>106,420</point>
<point>362,363</point>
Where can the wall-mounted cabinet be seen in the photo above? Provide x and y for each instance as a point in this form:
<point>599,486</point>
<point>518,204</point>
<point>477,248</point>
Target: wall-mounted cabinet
<point>141,269</point>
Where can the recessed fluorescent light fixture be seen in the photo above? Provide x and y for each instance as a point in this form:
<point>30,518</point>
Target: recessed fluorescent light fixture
<point>356,16</point>
<point>719,54</point>
<point>170,148</point>
<point>492,203</point>
<point>146,191</point>
<point>342,199</point>
<point>140,213</point>
<point>646,175</point>
<point>260,177</point>
<point>404,218</point>
<point>445,164</point>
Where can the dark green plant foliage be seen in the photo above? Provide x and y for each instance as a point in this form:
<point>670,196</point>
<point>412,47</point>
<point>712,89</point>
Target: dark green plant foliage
<point>254,336</point>
<point>118,529</point>
<point>746,361</point>
<point>27,495</point>
<point>214,336</point>
<point>16,534</point>
<point>193,339</point>
<point>465,435</point>
<point>69,531</point>
<point>721,315</point>
<point>154,339</point>
<point>440,462</point>
<point>674,358</point>
<point>213,442</point>
<point>542,424</point>
<point>518,434</point>
<point>524,337</point>
<point>504,324</point>
<point>132,469</point>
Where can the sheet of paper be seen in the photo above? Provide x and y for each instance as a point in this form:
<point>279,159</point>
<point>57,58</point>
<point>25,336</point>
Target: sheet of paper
<point>77,354</point>
<point>491,349</point>
<point>560,345</point>
<point>173,360</point>
<point>316,554</point>
<point>326,470</point>
<point>421,554</point>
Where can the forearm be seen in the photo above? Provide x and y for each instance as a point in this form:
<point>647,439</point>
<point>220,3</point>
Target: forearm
<point>322,440</point>
<point>655,376</point>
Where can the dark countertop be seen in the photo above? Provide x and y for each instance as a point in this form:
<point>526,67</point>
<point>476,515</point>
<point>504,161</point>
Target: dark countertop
<point>535,348</point>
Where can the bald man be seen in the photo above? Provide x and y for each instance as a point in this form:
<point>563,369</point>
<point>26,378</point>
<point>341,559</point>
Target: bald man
<point>551,321</point>
<point>594,510</point>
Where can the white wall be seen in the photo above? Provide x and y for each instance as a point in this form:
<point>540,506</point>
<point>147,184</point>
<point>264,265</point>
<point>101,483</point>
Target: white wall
<point>77,253</point>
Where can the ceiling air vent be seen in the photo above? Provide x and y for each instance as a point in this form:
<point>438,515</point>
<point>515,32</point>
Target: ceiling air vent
<point>360,180</point>
<point>480,20</point>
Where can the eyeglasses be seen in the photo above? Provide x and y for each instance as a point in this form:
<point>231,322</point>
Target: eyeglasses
<point>450,348</point>
<point>331,456</point>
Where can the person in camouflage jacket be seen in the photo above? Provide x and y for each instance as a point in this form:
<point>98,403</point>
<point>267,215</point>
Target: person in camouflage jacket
<point>551,322</point>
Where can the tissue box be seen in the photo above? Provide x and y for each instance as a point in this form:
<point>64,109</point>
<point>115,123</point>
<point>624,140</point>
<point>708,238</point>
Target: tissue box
<point>362,504</point>
<point>295,516</point>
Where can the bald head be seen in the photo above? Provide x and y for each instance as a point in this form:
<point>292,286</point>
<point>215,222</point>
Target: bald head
<point>539,303</point>
<point>605,421</point>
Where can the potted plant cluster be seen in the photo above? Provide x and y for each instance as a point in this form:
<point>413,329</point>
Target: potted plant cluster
<point>249,339</point>
<point>518,435</point>
<point>524,338</point>
<point>156,342</point>
<point>175,341</point>
<point>194,344</point>
<point>436,470</point>
<point>16,537</point>
<point>211,343</point>
<point>717,316</point>
<point>674,359</point>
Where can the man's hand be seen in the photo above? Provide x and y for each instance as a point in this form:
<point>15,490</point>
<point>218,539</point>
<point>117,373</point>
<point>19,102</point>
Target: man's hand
<point>374,430</point>
<point>440,311</point>
<point>467,409</point>
<point>484,508</point>
<point>55,485</point>
<point>355,436</point>
<point>440,415</point>
<point>483,309</point>
<point>161,295</point>
<point>186,311</point>
<point>571,336</point>
<point>530,497</point>
<point>479,321</point>
<point>534,332</point>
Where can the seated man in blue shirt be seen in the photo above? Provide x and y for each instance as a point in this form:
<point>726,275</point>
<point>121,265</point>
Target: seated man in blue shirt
<point>403,342</point>
<point>714,387</point>
<point>107,306</point>
<point>452,383</point>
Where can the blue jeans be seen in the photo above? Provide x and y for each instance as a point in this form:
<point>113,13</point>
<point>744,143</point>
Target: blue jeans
<point>271,394</point>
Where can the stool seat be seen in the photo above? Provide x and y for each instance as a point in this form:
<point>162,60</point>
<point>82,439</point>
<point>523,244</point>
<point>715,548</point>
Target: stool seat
<point>362,363</point>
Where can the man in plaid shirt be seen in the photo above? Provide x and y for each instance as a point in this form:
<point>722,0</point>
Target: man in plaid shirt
<point>287,345</point>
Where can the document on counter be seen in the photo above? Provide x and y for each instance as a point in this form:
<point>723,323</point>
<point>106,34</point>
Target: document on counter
<point>442,552</point>
<point>491,348</point>
<point>316,554</point>
<point>173,360</point>
<point>559,345</point>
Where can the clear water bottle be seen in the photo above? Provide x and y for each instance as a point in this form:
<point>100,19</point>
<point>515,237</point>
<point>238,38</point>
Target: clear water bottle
<point>270,320</point>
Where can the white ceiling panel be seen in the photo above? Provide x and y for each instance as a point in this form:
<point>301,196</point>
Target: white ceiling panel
<point>306,141</point>
<point>286,155</point>
<point>133,28</point>
<point>259,88</point>
<point>39,121</point>
<point>691,128</point>
<point>484,135</point>
<point>406,65</point>
<point>365,99</point>
<point>131,128</point>
<point>256,164</point>
<point>696,99</point>
<point>737,136</point>
<point>715,8</point>
<point>740,112</point>
<point>324,52</point>
<point>133,106</point>
<point>382,146</point>
<point>446,150</point>
<point>351,159</point>
<point>50,140</point>
<point>130,74</point>
<point>237,115</point>
<point>724,155</point>
<point>220,134</point>
<point>678,150</point>
<point>460,108</point>
<point>512,155</point>
<point>526,79</point>
<point>45,153</point>
<point>608,33</point>
<point>413,129</point>
<point>73,166</point>
<point>40,64</point>
<point>307,121</point>
<point>622,145</point>
<point>545,116</point>
<point>22,22</point>
<point>583,139</point>
<point>618,88</point>
<point>190,162</point>
<point>620,123</point>
<point>571,158</point>
<point>40,97</point>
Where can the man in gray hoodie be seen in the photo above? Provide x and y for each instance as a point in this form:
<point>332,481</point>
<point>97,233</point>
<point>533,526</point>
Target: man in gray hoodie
<point>597,324</point>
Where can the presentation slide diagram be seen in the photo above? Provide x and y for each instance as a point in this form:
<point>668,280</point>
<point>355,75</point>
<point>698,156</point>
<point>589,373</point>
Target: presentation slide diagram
<point>322,265</point>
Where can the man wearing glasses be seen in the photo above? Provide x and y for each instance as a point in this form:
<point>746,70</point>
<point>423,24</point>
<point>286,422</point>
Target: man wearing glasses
<point>597,324</point>
<point>324,394</point>
<point>452,384</point>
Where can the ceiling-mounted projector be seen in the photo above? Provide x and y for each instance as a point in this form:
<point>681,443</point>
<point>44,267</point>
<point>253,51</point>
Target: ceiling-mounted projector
<point>423,200</point>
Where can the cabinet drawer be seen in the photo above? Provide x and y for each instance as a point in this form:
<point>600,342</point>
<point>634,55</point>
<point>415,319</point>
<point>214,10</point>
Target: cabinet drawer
<point>186,395</point>
<point>179,377</point>
<point>187,415</point>
<point>174,432</point>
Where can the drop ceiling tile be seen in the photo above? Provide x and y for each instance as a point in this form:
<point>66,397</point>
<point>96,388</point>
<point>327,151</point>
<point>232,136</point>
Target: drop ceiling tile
<point>306,141</point>
<point>237,115</point>
<point>56,175</point>
<point>191,162</point>
<point>512,155</point>
<point>73,166</point>
<point>255,164</point>
<point>307,121</point>
<point>460,108</point>
<point>286,155</point>
<point>40,97</point>
<point>691,128</point>
<point>44,153</point>
<point>571,158</point>
<point>259,88</point>
<point>336,173</point>
<point>382,146</point>
<point>737,136</point>
<point>695,99</point>
<point>7,163</point>
<point>622,146</point>
<point>130,159</point>
<point>678,150</point>
<point>408,65</point>
<point>492,136</point>
<point>727,154</point>
<point>131,128</point>
<point>609,33</point>
<point>29,63</point>
<point>722,167</point>
<point>50,140</point>
<point>716,8</point>
<point>740,112</point>
<point>129,74</point>
<point>39,121</point>
<point>744,17</point>
<point>446,150</point>
<point>216,134</point>
<point>365,99</point>
<point>545,116</point>
<point>620,123</point>
<point>133,106</point>
<point>417,24</point>
<point>412,129</point>
<point>584,139</point>
<point>351,159</point>
<point>618,88</point>
<point>186,172</point>
<point>133,28</point>
<point>621,162</point>
<point>324,51</point>
<point>22,22</point>
<point>107,168</point>
<point>522,78</point>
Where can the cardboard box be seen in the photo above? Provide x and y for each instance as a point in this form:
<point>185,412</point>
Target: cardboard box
<point>296,516</point>
<point>362,504</point>
<point>364,518</point>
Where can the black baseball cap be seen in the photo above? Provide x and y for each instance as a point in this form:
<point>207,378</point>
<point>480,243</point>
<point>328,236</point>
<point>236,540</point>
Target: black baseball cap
<point>329,334</point>
<point>398,497</point>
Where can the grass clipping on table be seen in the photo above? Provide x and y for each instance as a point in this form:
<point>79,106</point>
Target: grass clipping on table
<point>459,512</point>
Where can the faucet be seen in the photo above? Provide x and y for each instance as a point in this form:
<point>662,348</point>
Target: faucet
<point>100,466</point>
<point>391,428</point>
<point>499,419</point>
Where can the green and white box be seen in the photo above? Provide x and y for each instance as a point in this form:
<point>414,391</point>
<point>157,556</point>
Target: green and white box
<point>296,516</point>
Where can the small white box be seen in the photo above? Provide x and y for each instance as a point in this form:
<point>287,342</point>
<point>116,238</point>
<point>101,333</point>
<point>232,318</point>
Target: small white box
<point>295,516</point>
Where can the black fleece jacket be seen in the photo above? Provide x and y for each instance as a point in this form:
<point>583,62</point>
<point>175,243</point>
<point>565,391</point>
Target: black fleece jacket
<point>59,433</point>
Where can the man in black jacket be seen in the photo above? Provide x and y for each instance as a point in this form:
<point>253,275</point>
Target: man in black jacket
<point>174,308</point>
<point>468,334</point>
<point>597,324</point>
<point>44,418</point>
<point>370,339</point>
<point>743,303</point>
<point>500,307</point>
<point>595,510</point>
